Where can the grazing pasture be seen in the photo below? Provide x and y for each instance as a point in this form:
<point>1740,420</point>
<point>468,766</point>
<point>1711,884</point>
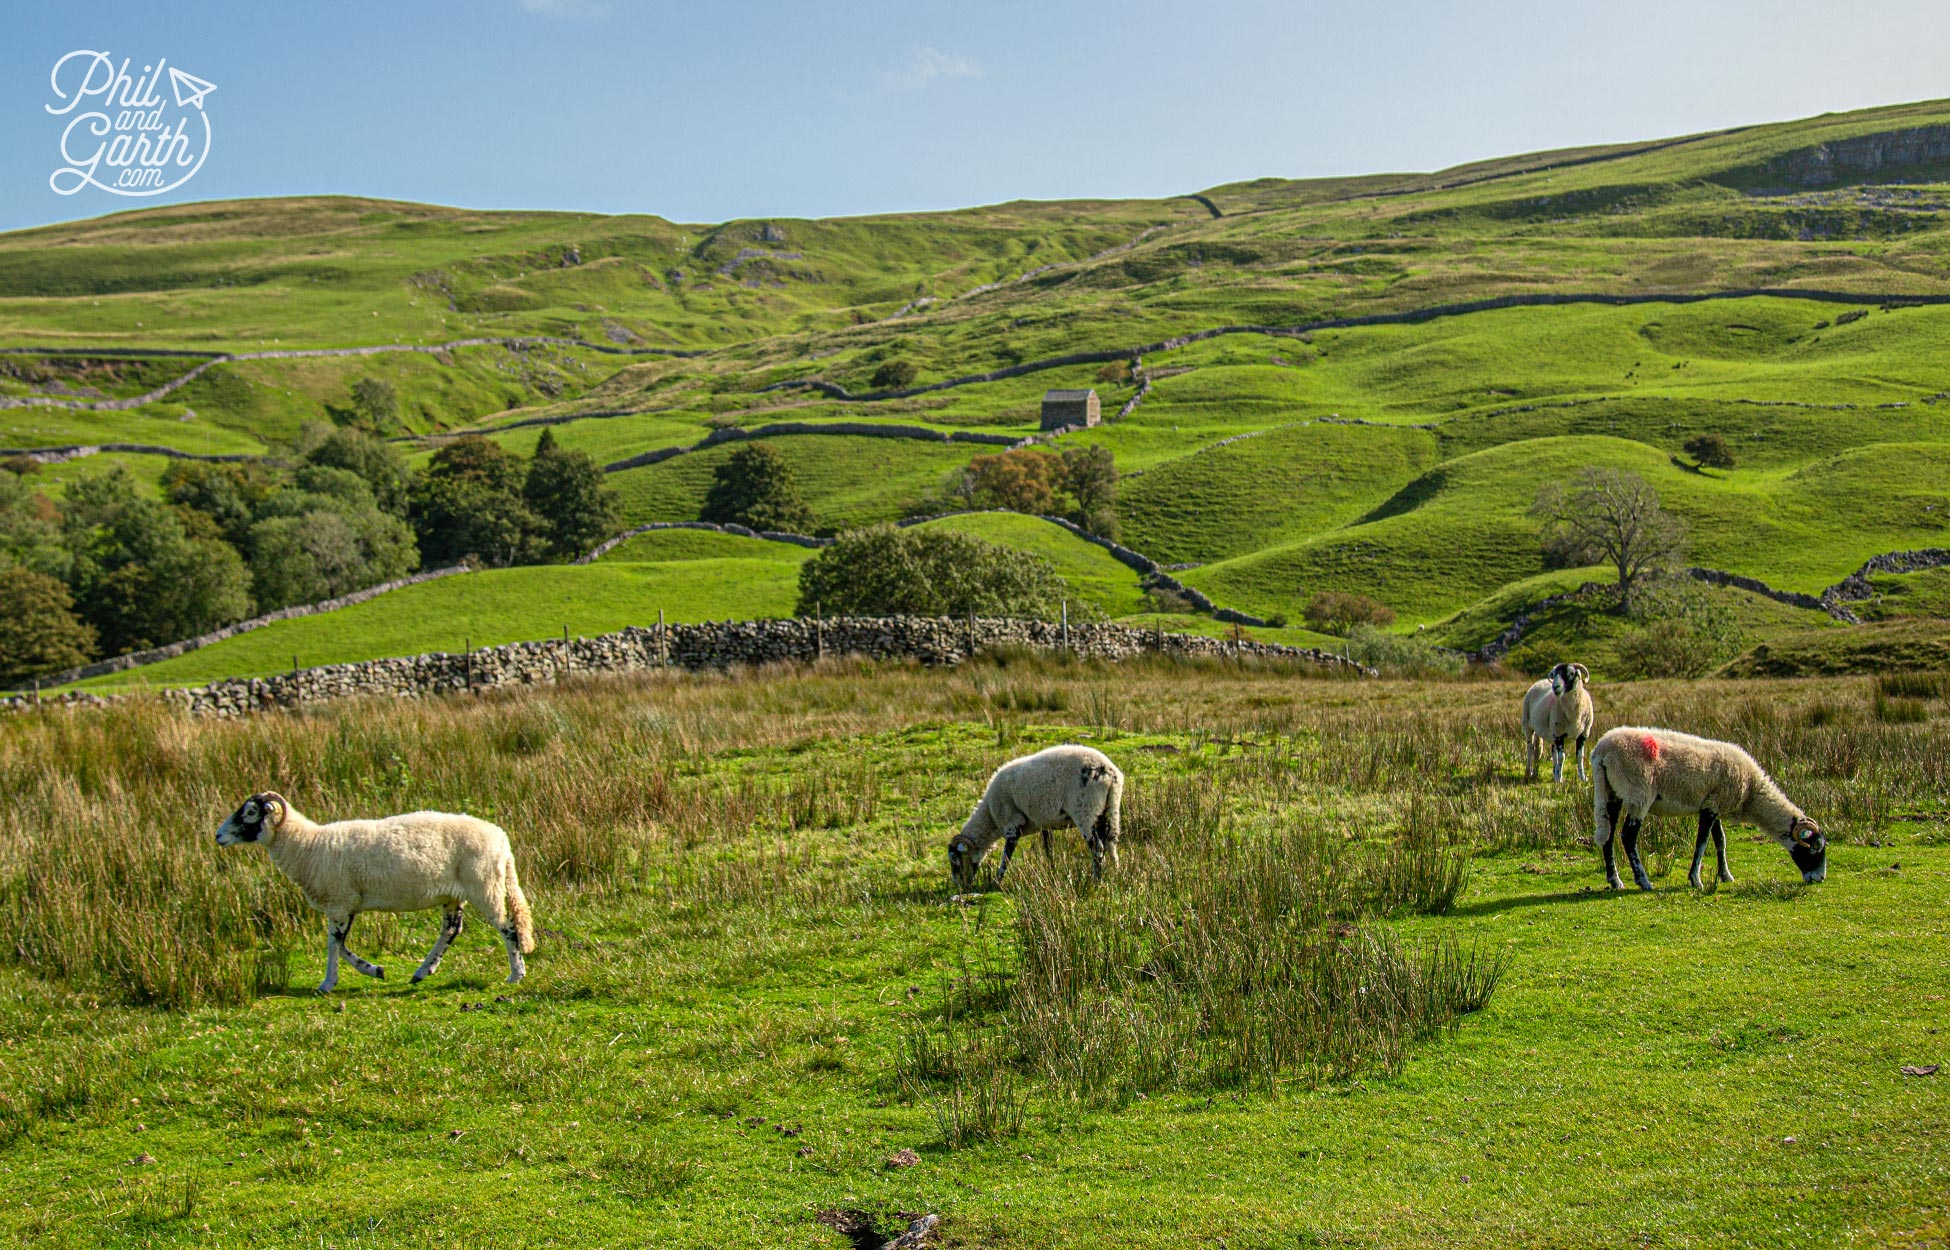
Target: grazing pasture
<point>1352,983</point>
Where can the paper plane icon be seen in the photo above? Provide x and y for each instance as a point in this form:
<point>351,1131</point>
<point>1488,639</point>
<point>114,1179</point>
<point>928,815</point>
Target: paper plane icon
<point>190,89</point>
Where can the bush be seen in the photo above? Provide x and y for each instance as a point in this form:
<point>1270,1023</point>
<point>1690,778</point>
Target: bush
<point>756,487</point>
<point>376,402</point>
<point>1399,656</point>
<point>1333,612</point>
<point>38,631</point>
<point>1115,372</point>
<point>894,375</point>
<point>1710,451</point>
<point>887,571</point>
<point>1079,484</point>
<point>1685,631</point>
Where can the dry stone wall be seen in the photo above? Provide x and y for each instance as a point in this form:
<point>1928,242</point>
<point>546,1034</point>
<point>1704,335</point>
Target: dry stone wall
<point>928,640</point>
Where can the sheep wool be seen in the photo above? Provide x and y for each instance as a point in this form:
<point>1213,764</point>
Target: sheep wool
<point>413,862</point>
<point>1638,772</point>
<point>1061,785</point>
<point>1554,709</point>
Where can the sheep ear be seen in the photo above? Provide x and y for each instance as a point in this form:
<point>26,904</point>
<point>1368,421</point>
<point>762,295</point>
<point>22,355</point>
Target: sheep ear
<point>274,803</point>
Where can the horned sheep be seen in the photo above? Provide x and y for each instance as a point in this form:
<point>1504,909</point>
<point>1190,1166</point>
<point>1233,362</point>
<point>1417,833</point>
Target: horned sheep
<point>398,863</point>
<point>1556,707</point>
<point>1063,784</point>
<point>1640,772</point>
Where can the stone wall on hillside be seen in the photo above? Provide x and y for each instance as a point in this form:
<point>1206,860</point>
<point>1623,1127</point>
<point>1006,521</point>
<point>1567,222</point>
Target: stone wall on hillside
<point>715,645</point>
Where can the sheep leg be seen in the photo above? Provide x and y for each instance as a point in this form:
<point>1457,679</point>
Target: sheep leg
<point>331,958</point>
<point>1010,837</point>
<point>449,930</point>
<point>1557,760</point>
<point>1720,848</point>
<point>1699,848</point>
<point>1531,743</point>
<point>1047,853</point>
<point>370,969</point>
<point>517,967</point>
<point>1610,846</point>
<point>1631,836</point>
<point>1581,755</point>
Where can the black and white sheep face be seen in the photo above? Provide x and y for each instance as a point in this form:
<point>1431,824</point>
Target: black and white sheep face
<point>1809,850</point>
<point>1565,678</point>
<point>249,822</point>
<point>964,861</point>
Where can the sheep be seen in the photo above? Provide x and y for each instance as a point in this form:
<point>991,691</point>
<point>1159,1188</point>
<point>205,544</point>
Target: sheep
<point>1638,772</point>
<point>1553,709</point>
<point>398,863</point>
<point>1073,784</point>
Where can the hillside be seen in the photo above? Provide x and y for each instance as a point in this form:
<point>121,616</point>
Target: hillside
<point>1352,384</point>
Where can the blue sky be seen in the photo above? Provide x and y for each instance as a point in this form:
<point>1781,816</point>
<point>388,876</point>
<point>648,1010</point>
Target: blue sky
<point>705,112</point>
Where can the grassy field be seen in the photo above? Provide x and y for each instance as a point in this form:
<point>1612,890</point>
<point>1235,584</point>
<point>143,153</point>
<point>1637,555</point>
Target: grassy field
<point>1397,460</point>
<point>753,990</point>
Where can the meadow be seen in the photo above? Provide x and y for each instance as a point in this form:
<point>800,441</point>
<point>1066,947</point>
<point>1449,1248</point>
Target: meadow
<point>1353,982</point>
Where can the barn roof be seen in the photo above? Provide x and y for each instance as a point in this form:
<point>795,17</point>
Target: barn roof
<point>1067,396</point>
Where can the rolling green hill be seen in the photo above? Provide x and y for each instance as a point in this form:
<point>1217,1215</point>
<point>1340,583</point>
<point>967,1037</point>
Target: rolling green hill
<point>1366,422</point>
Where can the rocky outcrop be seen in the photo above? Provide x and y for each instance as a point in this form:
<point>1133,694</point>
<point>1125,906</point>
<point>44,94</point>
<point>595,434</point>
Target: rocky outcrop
<point>928,640</point>
<point>1826,164</point>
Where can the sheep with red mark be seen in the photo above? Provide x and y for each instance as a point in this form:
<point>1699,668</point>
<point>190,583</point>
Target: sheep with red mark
<point>1639,772</point>
<point>1556,707</point>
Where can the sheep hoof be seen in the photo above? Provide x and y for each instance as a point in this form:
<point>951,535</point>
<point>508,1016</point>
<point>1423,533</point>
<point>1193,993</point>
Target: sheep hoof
<point>1645,885</point>
<point>323,989</point>
<point>422,975</point>
<point>1726,878</point>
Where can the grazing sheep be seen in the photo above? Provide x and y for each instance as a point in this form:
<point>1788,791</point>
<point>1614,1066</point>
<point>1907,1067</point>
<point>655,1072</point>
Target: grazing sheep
<point>1066,784</point>
<point>1638,772</point>
<point>1554,709</point>
<point>398,863</point>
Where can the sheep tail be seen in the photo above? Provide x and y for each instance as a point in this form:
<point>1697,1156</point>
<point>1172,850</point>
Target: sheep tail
<point>518,910</point>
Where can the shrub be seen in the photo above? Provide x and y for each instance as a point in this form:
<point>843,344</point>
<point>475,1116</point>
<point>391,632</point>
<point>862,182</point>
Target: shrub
<point>1686,631</point>
<point>1114,372</point>
<point>1710,451</point>
<point>894,375</point>
<point>887,571</point>
<point>1399,656</point>
<point>1080,484</point>
<point>20,466</point>
<point>756,487</point>
<point>1333,612</point>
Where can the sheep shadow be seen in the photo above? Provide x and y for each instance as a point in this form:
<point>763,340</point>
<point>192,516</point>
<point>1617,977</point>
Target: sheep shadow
<point>1495,906</point>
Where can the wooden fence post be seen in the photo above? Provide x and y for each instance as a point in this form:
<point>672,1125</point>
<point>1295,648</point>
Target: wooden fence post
<point>467,662</point>
<point>819,630</point>
<point>663,642</point>
<point>1066,624</point>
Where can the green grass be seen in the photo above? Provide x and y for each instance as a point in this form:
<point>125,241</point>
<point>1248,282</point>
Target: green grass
<point>1836,423</point>
<point>746,931</point>
<point>500,605</point>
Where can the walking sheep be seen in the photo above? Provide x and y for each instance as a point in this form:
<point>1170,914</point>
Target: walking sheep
<point>397,863</point>
<point>1553,709</point>
<point>1638,772</point>
<point>1072,784</point>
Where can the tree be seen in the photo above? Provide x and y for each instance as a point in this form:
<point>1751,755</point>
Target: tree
<point>1090,476</point>
<point>38,631</point>
<point>889,571</point>
<point>894,375</point>
<point>376,402</point>
<point>1334,612</point>
<point>468,502</point>
<point>228,494</point>
<point>566,492</point>
<point>1609,516</point>
<point>756,487</point>
<point>373,459</point>
<point>138,576</point>
<point>1022,480</point>
<point>1710,451</point>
